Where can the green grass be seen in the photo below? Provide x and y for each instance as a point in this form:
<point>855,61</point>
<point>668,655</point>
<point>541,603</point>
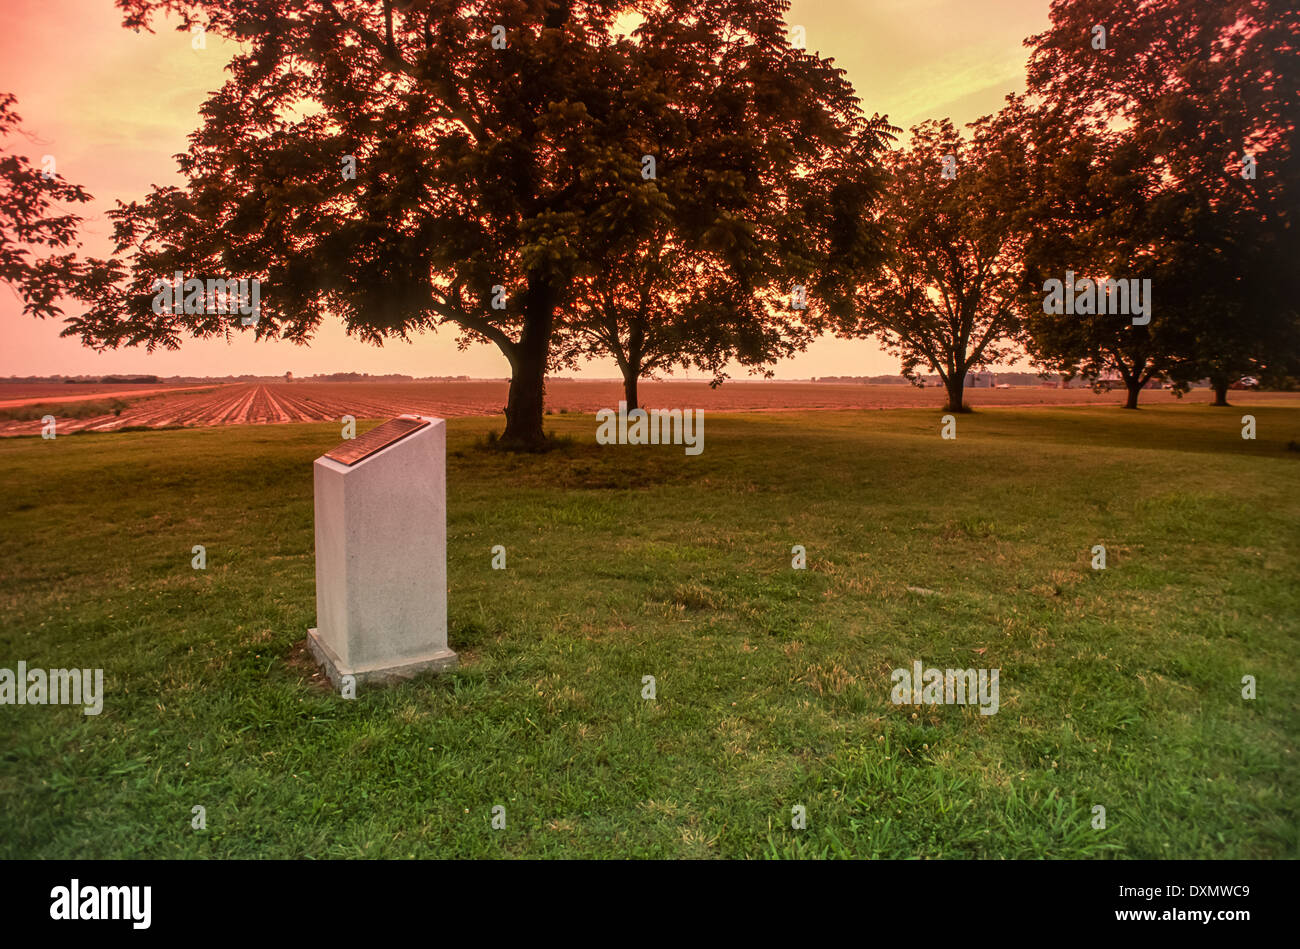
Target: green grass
<point>89,408</point>
<point>1118,687</point>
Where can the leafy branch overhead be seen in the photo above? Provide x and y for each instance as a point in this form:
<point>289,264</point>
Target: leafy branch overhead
<point>32,223</point>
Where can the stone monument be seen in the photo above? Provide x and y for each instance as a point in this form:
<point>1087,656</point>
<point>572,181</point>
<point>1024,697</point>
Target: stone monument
<point>381,553</point>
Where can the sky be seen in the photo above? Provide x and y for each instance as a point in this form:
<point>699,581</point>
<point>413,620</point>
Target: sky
<point>114,107</point>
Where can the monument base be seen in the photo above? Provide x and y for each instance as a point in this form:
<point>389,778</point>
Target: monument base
<point>377,674</point>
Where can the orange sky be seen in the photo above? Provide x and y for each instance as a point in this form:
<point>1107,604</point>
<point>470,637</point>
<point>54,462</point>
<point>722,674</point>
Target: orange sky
<point>113,107</point>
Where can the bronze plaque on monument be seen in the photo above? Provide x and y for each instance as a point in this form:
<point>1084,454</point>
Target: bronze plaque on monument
<point>381,436</point>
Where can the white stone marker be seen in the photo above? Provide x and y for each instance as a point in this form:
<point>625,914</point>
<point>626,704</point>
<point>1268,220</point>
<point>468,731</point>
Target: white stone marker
<point>381,553</point>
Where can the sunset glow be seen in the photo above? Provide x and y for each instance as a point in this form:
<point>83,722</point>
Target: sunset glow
<point>114,107</point>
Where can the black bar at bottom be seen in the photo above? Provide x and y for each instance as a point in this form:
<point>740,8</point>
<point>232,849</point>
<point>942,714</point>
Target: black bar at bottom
<point>657,900</point>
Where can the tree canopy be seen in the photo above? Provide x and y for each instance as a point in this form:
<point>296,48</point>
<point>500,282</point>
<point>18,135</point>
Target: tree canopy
<point>947,295</point>
<point>498,154</point>
<point>1201,101</point>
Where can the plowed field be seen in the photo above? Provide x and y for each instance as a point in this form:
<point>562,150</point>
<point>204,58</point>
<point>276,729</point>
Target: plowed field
<point>258,404</point>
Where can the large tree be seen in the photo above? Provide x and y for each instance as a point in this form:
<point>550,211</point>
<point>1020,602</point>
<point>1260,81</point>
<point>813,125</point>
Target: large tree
<point>1207,96</point>
<point>498,156</point>
<point>660,306</point>
<point>33,223</point>
<point>947,295</point>
<point>1096,210</point>
<point>677,296</point>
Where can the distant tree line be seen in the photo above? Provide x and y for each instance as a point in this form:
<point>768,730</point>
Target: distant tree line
<point>1018,378</point>
<point>356,377</point>
<point>84,380</point>
<point>174,380</point>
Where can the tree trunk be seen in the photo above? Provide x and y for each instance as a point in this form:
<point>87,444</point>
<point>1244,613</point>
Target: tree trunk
<point>956,385</point>
<point>630,378</point>
<point>634,364</point>
<point>526,405</point>
<point>1134,387</point>
<point>1220,393</point>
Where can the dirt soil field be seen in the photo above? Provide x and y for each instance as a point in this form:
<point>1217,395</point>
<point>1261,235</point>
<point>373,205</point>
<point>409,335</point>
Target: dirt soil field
<point>322,401</point>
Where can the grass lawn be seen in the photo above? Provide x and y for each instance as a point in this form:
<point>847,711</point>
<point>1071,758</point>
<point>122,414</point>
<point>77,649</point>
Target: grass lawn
<point>1119,687</point>
<point>84,409</point>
